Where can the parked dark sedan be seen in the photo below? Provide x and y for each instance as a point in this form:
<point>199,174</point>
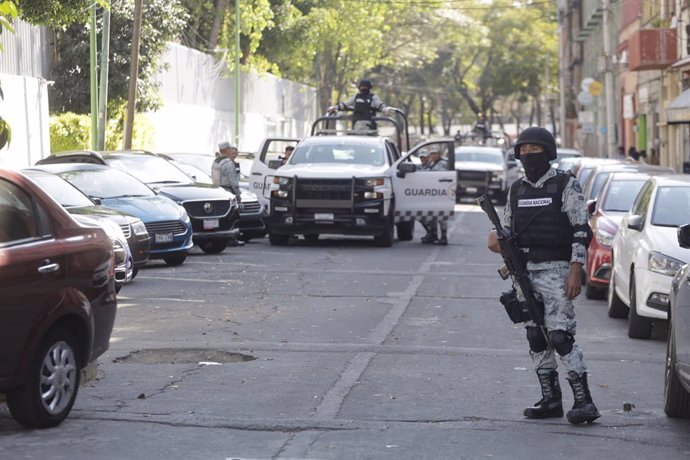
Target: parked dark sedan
<point>212,210</point>
<point>167,223</point>
<point>198,166</point>
<point>677,382</point>
<point>58,305</point>
<point>72,199</point>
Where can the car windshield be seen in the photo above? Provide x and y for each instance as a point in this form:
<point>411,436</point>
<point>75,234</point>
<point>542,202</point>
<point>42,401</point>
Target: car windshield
<point>106,183</point>
<point>339,153</point>
<point>150,169</point>
<point>195,173</point>
<point>671,207</point>
<point>597,183</point>
<point>202,162</point>
<point>478,156</point>
<point>61,190</point>
<point>621,194</point>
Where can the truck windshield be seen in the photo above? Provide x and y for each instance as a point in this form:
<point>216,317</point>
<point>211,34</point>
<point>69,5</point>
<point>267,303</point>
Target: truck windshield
<point>342,153</point>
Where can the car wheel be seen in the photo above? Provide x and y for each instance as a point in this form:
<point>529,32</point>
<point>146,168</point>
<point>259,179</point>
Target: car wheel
<point>617,309</point>
<point>385,239</point>
<point>135,271</point>
<point>118,288</point>
<point>311,237</point>
<point>639,327</point>
<point>213,246</point>
<point>593,292</point>
<point>45,399</point>
<point>174,261</point>
<point>406,230</point>
<point>278,240</point>
<point>676,397</point>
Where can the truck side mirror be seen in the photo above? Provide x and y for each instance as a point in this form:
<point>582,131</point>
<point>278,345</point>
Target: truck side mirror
<point>275,164</point>
<point>404,168</point>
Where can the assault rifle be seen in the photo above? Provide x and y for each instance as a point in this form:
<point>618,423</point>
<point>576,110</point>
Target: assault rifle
<point>531,308</point>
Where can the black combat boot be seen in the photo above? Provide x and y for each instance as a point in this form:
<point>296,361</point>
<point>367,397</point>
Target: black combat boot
<point>429,238</point>
<point>551,404</point>
<point>584,409</point>
<point>443,241</point>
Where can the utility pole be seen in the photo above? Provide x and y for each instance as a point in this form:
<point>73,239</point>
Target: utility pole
<point>103,84</point>
<point>93,56</point>
<point>608,83</point>
<point>238,50</point>
<point>563,130</point>
<point>133,71</point>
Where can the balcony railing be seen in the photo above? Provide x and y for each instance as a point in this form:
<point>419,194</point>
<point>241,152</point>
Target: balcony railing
<point>652,49</point>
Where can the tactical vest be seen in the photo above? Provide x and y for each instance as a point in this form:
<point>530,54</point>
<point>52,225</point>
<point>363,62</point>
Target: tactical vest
<point>363,109</point>
<point>538,222</point>
<point>217,172</point>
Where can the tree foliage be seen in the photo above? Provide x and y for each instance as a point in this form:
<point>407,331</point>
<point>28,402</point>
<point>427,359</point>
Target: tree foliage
<point>163,20</point>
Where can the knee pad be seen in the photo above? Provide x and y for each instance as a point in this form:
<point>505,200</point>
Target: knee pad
<point>561,341</point>
<point>536,339</point>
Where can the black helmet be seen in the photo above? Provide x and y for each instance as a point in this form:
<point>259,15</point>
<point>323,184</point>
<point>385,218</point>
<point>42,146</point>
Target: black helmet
<point>364,83</point>
<point>539,136</point>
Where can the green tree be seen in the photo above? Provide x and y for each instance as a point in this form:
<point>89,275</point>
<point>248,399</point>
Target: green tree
<point>163,21</point>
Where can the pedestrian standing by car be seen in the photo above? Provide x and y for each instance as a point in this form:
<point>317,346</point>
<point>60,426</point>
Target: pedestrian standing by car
<point>438,163</point>
<point>363,105</point>
<point>225,173</point>
<point>547,216</point>
<point>286,156</point>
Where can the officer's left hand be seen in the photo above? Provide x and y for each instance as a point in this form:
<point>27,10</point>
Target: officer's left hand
<point>573,284</point>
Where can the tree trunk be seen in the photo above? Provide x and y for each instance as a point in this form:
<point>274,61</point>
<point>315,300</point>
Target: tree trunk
<point>221,7</point>
<point>421,114</point>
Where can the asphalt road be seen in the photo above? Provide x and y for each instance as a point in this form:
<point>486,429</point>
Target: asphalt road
<point>343,350</point>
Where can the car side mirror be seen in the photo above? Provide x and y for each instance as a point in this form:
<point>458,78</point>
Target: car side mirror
<point>275,164</point>
<point>97,201</point>
<point>635,222</point>
<point>684,236</point>
<point>591,207</point>
<point>404,168</point>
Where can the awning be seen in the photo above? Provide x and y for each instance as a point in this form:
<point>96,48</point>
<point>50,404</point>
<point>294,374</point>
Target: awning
<point>678,110</point>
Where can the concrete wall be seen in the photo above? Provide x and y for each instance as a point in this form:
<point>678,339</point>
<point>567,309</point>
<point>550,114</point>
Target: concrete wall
<point>199,102</point>
<point>23,66</point>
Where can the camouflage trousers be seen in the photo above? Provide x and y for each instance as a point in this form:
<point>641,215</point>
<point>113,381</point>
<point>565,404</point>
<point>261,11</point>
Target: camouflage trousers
<point>559,315</point>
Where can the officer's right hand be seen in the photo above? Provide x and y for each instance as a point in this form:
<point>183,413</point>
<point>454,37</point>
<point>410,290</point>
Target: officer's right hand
<point>493,243</point>
<point>332,109</point>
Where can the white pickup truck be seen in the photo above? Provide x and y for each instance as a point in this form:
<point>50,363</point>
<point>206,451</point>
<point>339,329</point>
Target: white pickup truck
<point>350,184</point>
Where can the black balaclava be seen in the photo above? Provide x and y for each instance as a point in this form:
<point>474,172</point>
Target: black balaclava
<point>364,90</point>
<point>535,164</point>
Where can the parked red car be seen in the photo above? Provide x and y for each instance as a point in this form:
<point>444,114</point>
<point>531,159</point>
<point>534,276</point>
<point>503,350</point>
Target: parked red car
<point>57,301</point>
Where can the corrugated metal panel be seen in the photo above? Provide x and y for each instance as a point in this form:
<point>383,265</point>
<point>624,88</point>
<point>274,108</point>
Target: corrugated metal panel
<point>25,52</point>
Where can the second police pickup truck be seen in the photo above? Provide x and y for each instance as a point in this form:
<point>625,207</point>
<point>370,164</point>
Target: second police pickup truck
<point>344,182</point>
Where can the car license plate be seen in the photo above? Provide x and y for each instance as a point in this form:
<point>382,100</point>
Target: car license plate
<point>323,216</point>
<point>163,237</point>
<point>210,224</point>
<point>471,189</point>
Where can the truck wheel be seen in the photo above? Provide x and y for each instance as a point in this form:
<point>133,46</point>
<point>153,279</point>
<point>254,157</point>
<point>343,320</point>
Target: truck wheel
<point>278,240</point>
<point>213,246</point>
<point>406,230</point>
<point>46,397</point>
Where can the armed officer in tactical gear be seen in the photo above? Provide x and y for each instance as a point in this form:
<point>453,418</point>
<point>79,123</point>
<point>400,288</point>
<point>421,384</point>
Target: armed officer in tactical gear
<point>363,105</point>
<point>547,215</point>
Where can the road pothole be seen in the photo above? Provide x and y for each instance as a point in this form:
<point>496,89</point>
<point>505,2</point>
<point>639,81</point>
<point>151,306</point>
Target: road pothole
<point>183,356</point>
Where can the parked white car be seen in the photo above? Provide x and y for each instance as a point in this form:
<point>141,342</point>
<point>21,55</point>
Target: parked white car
<point>646,254</point>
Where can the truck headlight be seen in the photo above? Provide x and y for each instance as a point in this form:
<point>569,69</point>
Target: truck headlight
<point>663,264</point>
<point>280,180</point>
<point>373,195</point>
<point>374,181</point>
<point>280,193</point>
